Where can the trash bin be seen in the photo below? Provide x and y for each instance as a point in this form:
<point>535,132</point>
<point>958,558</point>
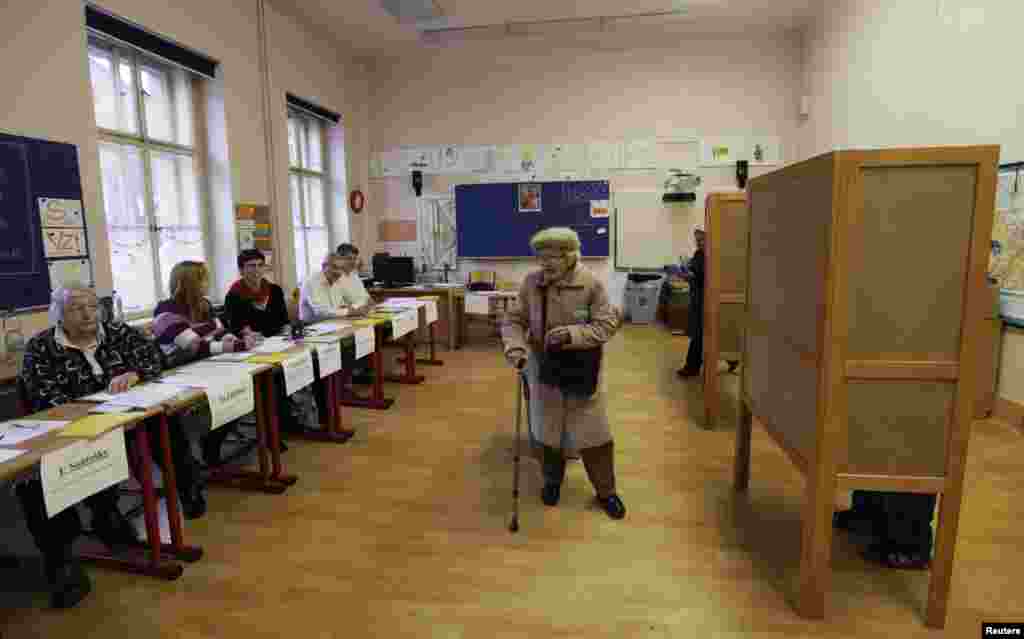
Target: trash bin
<point>642,294</point>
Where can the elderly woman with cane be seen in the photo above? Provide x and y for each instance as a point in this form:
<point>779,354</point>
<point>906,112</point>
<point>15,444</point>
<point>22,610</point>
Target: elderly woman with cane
<point>556,334</point>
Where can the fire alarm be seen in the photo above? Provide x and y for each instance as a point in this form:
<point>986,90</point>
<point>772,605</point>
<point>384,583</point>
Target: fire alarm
<point>356,201</point>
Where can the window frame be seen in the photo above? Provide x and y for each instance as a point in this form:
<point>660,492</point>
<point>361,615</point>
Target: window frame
<point>149,147</point>
<point>299,219</point>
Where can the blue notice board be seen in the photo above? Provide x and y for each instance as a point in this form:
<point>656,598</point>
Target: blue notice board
<point>42,219</point>
<point>497,220</point>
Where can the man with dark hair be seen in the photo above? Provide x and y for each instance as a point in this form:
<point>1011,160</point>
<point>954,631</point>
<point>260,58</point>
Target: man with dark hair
<point>695,353</point>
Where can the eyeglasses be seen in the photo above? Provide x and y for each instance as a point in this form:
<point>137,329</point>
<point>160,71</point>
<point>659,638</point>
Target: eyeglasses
<point>549,259</point>
<point>93,309</point>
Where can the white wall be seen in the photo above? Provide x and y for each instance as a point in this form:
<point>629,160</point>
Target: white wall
<point>539,92</point>
<point>914,72</point>
<point>44,67</point>
<point>918,72</point>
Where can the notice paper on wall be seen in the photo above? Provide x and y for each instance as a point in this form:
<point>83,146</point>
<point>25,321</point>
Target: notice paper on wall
<point>298,372</point>
<point>365,341</point>
<point>229,399</point>
<point>328,357</point>
<point>82,469</point>
<point>64,243</point>
<point>600,208</point>
<point>17,431</point>
<point>56,212</point>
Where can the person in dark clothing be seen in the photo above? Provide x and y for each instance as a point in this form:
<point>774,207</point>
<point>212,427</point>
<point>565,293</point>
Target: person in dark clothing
<point>695,353</point>
<point>79,356</point>
<point>255,308</point>
<point>898,523</point>
<point>254,304</point>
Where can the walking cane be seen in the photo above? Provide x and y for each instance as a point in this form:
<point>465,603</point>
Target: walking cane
<point>523,388</point>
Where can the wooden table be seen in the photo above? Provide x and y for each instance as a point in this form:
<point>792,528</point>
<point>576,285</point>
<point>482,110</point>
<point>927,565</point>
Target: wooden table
<point>154,564</point>
<point>504,297</point>
<point>449,305</point>
<point>334,430</point>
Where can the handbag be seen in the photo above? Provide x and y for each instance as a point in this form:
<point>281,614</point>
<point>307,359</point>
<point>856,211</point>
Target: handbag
<point>574,372</point>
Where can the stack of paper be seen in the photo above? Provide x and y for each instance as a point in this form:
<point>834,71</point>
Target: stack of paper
<point>274,345</point>
<point>94,425</point>
<point>231,357</point>
<point>326,327</point>
<point>145,396</point>
<point>17,431</point>
<point>404,323</point>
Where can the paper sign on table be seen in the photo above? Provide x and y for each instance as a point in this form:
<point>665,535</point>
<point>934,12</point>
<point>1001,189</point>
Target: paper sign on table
<point>328,356</point>
<point>431,311</point>
<point>7,455</point>
<point>274,345</point>
<point>82,469</point>
<point>230,399</point>
<point>404,323</point>
<point>16,431</point>
<point>478,304</point>
<point>94,425</point>
<point>326,327</point>
<point>298,372</point>
<point>365,341</point>
<point>269,358</point>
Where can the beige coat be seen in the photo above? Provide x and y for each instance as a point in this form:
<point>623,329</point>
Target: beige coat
<point>580,302</point>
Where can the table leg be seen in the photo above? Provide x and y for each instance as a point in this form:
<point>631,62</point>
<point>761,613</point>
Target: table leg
<point>410,376</point>
<point>376,401</point>
<point>741,470</point>
<point>153,565</point>
<point>261,480</point>
<point>275,432</point>
<point>333,430</point>
<point>177,547</point>
<point>433,361</point>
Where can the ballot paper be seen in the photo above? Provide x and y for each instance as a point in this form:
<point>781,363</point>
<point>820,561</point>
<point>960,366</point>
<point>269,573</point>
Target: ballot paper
<point>229,399</point>
<point>365,341</point>
<point>7,455</point>
<point>17,431</point>
<point>231,357</point>
<point>326,327</point>
<point>274,345</point>
<point>110,408</point>
<point>404,323</point>
<point>82,469</point>
<point>213,369</point>
<point>478,304</point>
<point>328,356</point>
<point>298,371</point>
<point>145,396</point>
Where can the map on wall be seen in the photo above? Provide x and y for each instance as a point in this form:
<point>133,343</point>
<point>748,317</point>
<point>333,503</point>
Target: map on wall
<point>1007,261</point>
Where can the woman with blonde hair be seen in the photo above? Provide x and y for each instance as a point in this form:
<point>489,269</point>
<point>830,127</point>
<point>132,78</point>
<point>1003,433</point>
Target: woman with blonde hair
<point>186,330</point>
<point>556,334</point>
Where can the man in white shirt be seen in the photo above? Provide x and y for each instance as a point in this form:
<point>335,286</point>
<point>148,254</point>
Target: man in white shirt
<point>336,291</point>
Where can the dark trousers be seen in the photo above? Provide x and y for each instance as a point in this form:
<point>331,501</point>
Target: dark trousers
<point>901,521</point>
<point>599,462</point>
<point>54,535</point>
<point>695,353</point>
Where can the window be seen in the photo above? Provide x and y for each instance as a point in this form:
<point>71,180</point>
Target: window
<point>145,113</point>
<point>307,182</point>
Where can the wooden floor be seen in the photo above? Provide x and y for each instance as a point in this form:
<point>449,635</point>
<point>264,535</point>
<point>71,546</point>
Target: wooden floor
<point>403,533</point>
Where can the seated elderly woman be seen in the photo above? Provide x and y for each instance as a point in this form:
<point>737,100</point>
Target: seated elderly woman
<point>185,330</point>
<point>557,333</point>
<point>80,355</point>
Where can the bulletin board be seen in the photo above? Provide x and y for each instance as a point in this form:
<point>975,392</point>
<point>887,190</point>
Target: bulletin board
<point>43,235</point>
<point>254,228</point>
<point>497,220</point>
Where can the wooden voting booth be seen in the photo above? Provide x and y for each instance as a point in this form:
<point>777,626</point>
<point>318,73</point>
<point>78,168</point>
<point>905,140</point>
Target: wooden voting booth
<point>865,304</point>
<point>726,223</point>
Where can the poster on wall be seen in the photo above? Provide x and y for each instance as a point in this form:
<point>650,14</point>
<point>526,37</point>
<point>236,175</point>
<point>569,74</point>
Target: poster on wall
<point>253,227</point>
<point>641,154</point>
<point>605,156</point>
<point>421,159</point>
<point>529,198</point>
<point>59,242</point>
<point>519,159</point>
<point>565,161</point>
<point>60,213</point>
<point>722,151</point>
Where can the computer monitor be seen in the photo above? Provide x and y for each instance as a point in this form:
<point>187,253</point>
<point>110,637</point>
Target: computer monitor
<point>401,271</point>
<point>380,266</point>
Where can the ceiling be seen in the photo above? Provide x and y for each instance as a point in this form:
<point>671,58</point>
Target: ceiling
<point>393,28</point>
